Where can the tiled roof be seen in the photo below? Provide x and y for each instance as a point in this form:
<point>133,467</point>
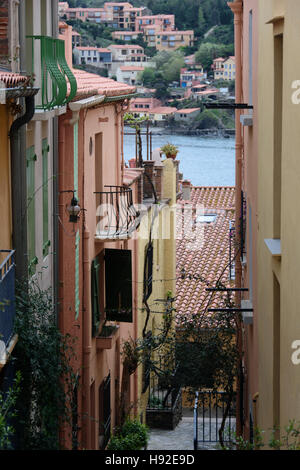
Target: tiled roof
<point>163,110</point>
<point>131,68</point>
<point>12,80</point>
<point>203,251</point>
<point>91,48</point>
<point>125,46</point>
<point>187,111</point>
<point>130,175</point>
<point>90,83</point>
<point>176,32</point>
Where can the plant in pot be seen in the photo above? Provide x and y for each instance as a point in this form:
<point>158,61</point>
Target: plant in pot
<point>170,150</point>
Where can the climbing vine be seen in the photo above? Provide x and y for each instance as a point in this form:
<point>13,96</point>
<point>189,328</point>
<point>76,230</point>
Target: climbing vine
<point>43,355</point>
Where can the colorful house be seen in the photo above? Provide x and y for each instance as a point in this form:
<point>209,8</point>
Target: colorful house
<point>267,180</point>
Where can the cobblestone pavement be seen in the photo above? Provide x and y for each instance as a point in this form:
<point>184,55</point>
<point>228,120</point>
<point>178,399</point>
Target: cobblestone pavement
<point>181,438</point>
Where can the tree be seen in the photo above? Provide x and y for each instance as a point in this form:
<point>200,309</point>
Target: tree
<point>207,52</point>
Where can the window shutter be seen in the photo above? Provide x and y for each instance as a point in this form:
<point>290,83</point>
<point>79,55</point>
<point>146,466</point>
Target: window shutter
<point>46,241</point>
<point>148,272</point>
<point>31,158</point>
<point>95,295</point>
<point>118,285</point>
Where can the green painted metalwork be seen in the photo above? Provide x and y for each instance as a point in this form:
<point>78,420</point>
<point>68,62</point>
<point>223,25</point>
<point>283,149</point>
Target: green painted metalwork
<point>77,293</point>
<point>60,53</point>
<point>54,72</point>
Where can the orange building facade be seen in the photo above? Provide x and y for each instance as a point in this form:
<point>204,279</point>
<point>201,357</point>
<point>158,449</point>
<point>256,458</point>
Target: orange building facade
<point>97,258</point>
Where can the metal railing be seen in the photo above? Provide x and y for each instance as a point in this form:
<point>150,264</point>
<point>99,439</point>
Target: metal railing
<point>117,214</point>
<point>209,410</point>
<point>54,70</point>
<point>7,296</point>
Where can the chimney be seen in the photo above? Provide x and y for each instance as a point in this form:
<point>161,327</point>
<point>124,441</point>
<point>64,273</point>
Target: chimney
<point>132,163</point>
<point>186,190</point>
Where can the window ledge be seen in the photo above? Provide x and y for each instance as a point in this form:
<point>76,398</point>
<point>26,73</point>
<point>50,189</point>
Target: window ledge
<point>246,120</point>
<point>274,246</point>
<point>247,316</point>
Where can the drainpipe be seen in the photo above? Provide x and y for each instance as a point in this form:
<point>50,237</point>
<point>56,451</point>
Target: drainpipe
<point>18,184</point>
<point>237,9</point>
<point>55,186</point>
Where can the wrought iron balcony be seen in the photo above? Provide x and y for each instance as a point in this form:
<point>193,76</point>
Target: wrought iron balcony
<point>54,71</point>
<point>7,299</point>
<point>117,215</point>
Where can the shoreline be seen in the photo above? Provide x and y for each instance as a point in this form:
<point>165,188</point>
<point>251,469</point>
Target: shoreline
<point>219,133</point>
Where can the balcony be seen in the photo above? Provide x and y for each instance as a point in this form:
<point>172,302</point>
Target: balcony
<point>7,304</point>
<point>58,85</point>
<point>117,215</point>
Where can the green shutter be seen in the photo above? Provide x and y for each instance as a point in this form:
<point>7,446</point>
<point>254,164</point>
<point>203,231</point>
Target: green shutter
<point>95,276</point>
<point>76,159</point>
<point>46,241</point>
<point>31,158</point>
<point>118,285</point>
<point>77,297</point>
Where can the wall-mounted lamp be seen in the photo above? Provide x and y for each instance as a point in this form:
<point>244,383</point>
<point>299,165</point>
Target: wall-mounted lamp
<point>73,209</point>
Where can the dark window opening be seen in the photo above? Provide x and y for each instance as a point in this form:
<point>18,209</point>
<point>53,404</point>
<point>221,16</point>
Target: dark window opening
<point>148,271</point>
<point>104,413</point>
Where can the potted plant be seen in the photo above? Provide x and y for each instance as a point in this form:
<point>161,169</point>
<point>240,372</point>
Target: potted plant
<point>170,150</point>
<point>106,336</point>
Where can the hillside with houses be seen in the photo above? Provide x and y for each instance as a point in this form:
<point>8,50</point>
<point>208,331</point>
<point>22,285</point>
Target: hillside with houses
<point>176,64</point>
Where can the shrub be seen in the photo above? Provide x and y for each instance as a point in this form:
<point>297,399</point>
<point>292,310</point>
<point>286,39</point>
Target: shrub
<point>132,436</point>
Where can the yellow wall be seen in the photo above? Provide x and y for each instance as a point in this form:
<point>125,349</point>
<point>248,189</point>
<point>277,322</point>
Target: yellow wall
<point>164,267</point>
<point>275,359</point>
<point>5,185</point>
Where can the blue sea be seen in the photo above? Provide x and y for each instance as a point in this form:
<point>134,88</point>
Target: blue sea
<point>205,161</point>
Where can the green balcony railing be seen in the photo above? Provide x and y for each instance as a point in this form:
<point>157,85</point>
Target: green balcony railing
<point>55,72</point>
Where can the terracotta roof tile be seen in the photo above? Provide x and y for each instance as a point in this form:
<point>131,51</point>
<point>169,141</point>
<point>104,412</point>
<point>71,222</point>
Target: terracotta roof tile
<point>12,80</point>
<point>203,251</point>
<point>90,83</point>
<point>131,68</point>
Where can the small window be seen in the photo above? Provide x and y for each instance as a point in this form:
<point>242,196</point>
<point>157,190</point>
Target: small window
<point>206,218</point>
<point>148,271</point>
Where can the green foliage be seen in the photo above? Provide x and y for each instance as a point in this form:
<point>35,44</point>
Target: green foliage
<point>169,149</point>
<point>221,35</point>
<point>208,51</point>
<point>207,120</point>
<point>8,412</point>
<point>288,439</point>
<point>132,436</point>
<point>44,358</point>
<point>92,34</point>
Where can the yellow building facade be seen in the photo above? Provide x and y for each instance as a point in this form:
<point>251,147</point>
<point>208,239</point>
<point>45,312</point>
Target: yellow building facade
<point>5,180</point>
<point>160,221</point>
<point>278,254</point>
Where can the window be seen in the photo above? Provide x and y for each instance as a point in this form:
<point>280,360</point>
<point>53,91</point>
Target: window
<point>278,100</point>
<point>46,241</point>
<point>250,57</point>
<point>104,412</point>
<point>97,293</point>
<point>111,279</point>
<point>207,218</point>
<point>32,259</point>
<point>148,271</point>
